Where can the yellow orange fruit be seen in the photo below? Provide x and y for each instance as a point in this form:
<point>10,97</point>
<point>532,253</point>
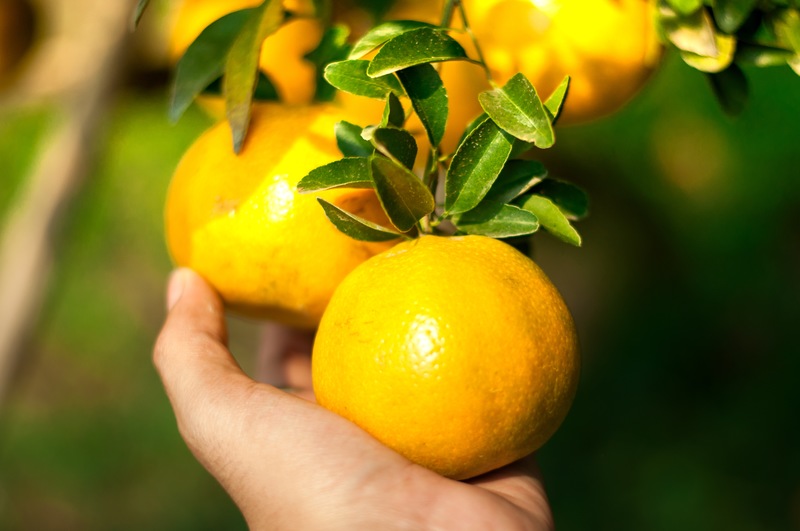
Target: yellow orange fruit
<point>458,353</point>
<point>238,221</point>
<point>281,54</point>
<point>609,47</point>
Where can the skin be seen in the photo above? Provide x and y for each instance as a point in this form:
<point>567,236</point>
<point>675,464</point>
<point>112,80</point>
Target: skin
<point>288,463</point>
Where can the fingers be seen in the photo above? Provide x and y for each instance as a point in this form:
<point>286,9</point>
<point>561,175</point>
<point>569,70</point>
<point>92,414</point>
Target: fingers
<point>284,358</point>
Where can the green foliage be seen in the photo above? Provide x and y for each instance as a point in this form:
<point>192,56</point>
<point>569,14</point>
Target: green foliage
<point>722,36</point>
<point>332,47</point>
<point>356,227</point>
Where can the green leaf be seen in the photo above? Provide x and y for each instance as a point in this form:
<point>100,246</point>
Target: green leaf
<point>349,172</point>
<point>332,47</point>
<point>403,196</point>
<point>478,120</point>
<point>690,33</point>
<point>571,199</point>
<point>357,227</point>
<point>384,32</point>
<point>397,144</point>
<point>726,47</point>
<point>497,220</point>
<point>415,47</point>
<point>555,102</point>
<point>516,178</point>
<point>241,66</point>
<point>204,61</point>
<point>761,56</point>
<point>351,76</point>
<point>730,87</point>
<point>138,11</point>
<point>517,109</point>
<point>552,219</point>
<point>475,166</point>
<point>350,142</point>
<point>685,7</point>
<point>731,14</point>
<point>393,112</point>
<point>428,98</point>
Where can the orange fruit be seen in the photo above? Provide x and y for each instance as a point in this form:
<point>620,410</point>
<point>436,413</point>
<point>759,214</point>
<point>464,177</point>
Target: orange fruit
<point>456,352</point>
<point>238,221</point>
<point>281,54</point>
<point>609,47</point>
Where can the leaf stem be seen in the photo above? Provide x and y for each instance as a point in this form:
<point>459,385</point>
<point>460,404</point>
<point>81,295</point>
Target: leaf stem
<point>447,12</point>
<point>474,40</point>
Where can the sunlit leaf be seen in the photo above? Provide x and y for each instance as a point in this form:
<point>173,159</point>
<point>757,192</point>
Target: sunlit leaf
<point>384,32</point>
<point>415,47</point>
<point>555,102</point>
<point>497,220</point>
<point>428,99</point>
<point>685,7</point>
<point>350,142</point>
<point>475,166</point>
<point>349,172</point>
<point>726,46</point>
<point>552,219</point>
<point>351,76</point>
<point>404,198</point>
<point>204,61</point>
<point>357,227</point>
<point>517,109</point>
<point>690,33</point>
<point>241,66</point>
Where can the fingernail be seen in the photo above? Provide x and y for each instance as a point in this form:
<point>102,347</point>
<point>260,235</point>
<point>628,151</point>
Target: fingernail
<point>175,287</point>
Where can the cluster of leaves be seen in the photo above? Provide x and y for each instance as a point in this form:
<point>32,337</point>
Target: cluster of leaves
<point>720,36</point>
<point>487,190</point>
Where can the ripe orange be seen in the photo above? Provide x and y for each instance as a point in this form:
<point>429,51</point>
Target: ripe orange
<point>456,352</point>
<point>609,47</point>
<point>282,53</point>
<point>238,221</point>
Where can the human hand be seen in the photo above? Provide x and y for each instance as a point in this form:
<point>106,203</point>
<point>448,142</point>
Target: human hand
<point>288,463</point>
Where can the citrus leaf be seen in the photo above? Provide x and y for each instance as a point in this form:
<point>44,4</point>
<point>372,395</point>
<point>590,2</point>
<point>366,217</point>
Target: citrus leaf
<point>403,196</point>
<point>357,227</point>
<point>393,112</point>
<point>726,46</point>
<point>349,172</point>
<point>517,109</point>
<point>761,56</point>
<point>731,14</point>
<point>428,98</point>
<point>204,61</point>
<point>397,144</point>
<point>685,7</point>
<point>552,219</point>
<point>349,141</point>
<point>138,11</point>
<point>497,220</point>
<point>690,33</point>
<point>478,120</point>
<point>384,32</point>
<point>332,47</point>
<point>730,88</point>
<point>571,199</point>
<point>555,102</point>
<point>415,47</point>
<point>241,66</point>
<point>516,178</point>
<point>351,76</point>
<point>475,166</point>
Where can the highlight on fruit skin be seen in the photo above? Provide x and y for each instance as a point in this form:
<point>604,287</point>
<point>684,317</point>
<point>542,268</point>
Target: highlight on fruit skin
<point>608,47</point>
<point>238,221</point>
<point>456,352</point>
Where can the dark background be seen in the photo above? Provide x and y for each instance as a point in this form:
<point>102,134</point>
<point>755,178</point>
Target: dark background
<point>685,294</point>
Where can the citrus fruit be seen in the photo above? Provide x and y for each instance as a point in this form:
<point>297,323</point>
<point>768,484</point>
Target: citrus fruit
<point>238,221</point>
<point>281,54</point>
<point>609,47</point>
<point>457,352</point>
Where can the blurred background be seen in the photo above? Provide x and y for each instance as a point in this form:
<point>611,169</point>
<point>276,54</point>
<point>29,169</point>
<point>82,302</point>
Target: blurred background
<point>685,294</point>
